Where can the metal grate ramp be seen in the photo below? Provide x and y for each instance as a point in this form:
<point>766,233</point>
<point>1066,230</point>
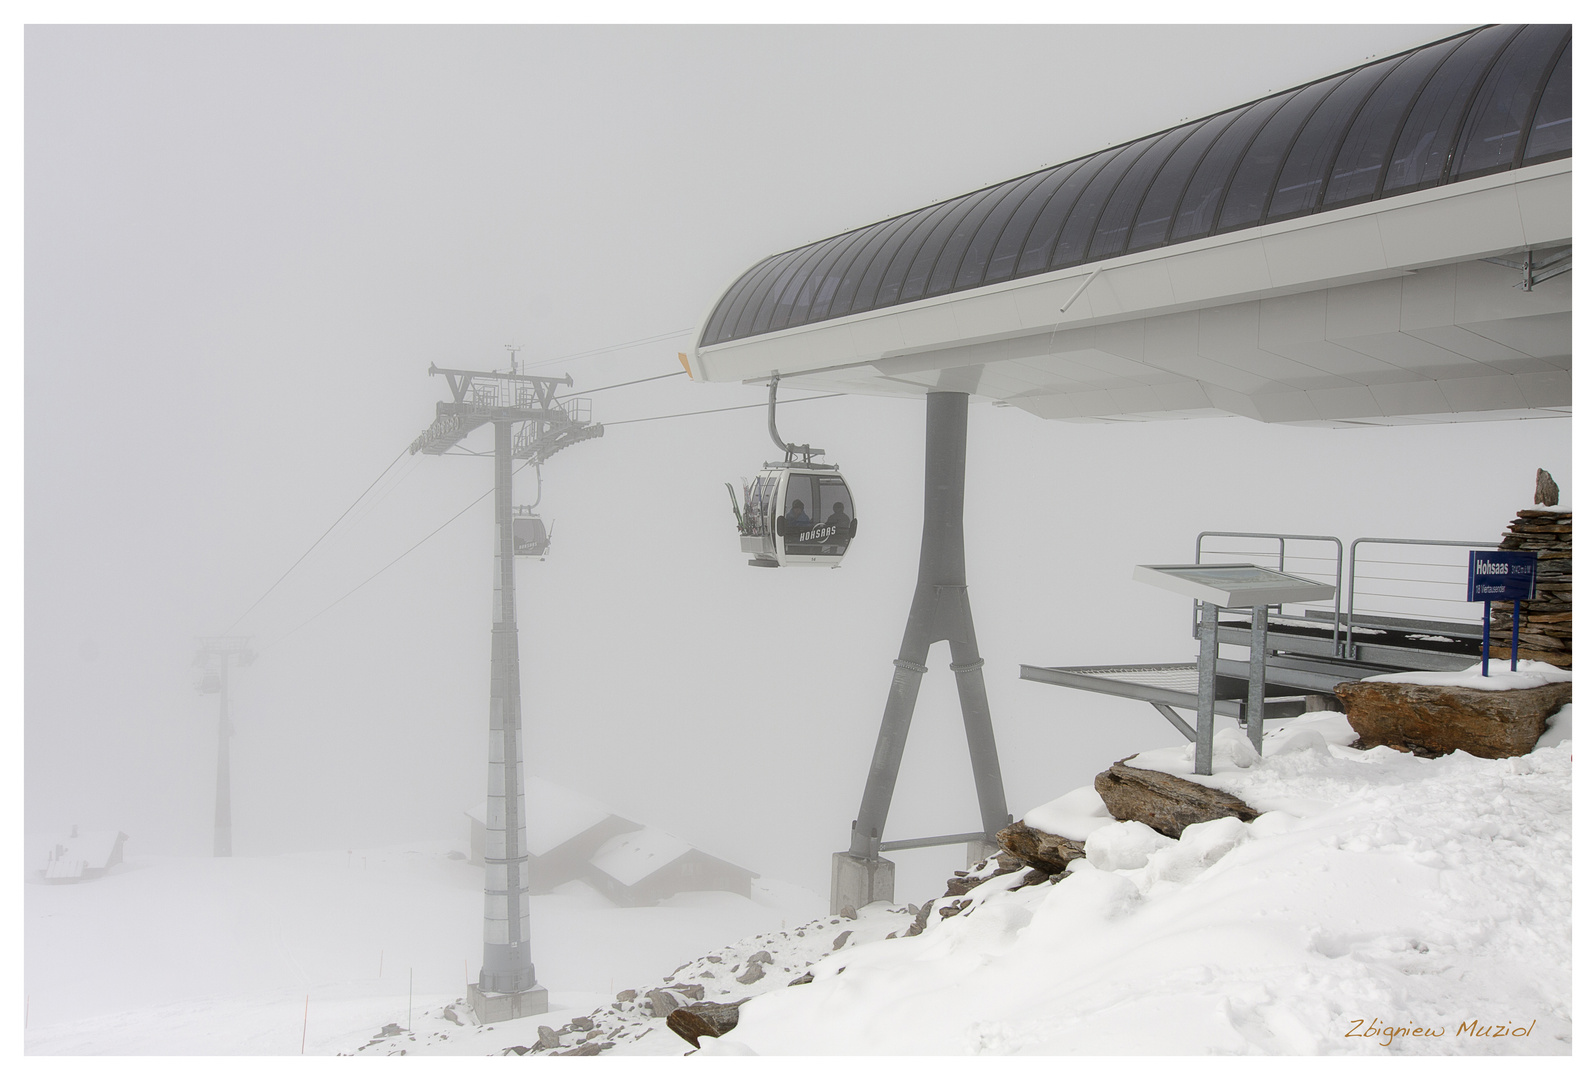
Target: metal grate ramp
<point>1172,685</point>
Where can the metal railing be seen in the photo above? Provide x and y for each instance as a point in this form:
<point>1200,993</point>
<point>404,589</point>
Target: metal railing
<point>1287,561</point>
<point>1411,594</point>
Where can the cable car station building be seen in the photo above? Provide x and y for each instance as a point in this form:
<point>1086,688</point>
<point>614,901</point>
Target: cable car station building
<point>1385,245</point>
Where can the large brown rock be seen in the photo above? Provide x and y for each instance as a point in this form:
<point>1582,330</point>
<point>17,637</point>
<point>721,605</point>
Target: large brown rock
<point>1164,802</point>
<point>1039,850</point>
<point>708,1018</point>
<point>1435,720</point>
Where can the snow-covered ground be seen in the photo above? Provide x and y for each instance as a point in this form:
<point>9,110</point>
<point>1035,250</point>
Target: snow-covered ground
<point>217,956</point>
<point>1382,904</point>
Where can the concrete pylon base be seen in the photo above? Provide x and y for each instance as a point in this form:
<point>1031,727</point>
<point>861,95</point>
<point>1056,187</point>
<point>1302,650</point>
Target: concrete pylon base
<point>490,1008</point>
<point>976,850</point>
<point>857,880</point>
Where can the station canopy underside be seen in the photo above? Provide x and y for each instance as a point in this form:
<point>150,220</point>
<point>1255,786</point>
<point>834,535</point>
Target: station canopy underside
<point>1348,251</point>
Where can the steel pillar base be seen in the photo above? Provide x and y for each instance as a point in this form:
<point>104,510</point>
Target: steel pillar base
<point>490,1008</point>
<point>857,880</point>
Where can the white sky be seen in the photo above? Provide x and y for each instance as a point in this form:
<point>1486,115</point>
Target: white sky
<point>245,245</point>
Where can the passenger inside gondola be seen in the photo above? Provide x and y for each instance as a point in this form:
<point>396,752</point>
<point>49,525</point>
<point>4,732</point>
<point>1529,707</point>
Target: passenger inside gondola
<point>796,518</point>
<point>839,519</point>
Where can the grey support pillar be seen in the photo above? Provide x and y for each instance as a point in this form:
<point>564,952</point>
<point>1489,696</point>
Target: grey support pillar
<point>1256,659</point>
<point>222,845</point>
<point>1207,662</point>
<point>940,611</point>
<point>507,986</point>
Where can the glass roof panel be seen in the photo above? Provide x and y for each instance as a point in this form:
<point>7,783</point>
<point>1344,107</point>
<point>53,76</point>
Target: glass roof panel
<point>1303,176</point>
<point>1006,255</point>
<point>801,289</point>
<point>749,305</point>
<point>1044,233</point>
<point>1490,136</point>
<point>959,240</point>
<point>771,293</point>
<point>1076,235</point>
<point>865,298</point>
<point>1200,205</point>
<point>723,311</point>
<point>831,275</point>
<point>973,269</point>
<point>875,236</point>
<point>1425,145</point>
<point>1552,132</point>
<point>1355,177</point>
<point>1254,181</point>
<point>1113,227</point>
<point>898,269</point>
<point>1158,208</point>
<point>925,259</point>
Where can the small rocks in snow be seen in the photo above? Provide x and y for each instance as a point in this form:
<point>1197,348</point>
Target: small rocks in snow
<point>587,1049</point>
<point>662,1003</point>
<point>755,972</point>
<point>841,939</point>
<point>691,990</point>
<point>953,908</point>
<point>848,912</point>
<point>760,957</point>
<point>626,995</point>
<point>581,1023</point>
<point>548,1038</point>
<point>803,980</point>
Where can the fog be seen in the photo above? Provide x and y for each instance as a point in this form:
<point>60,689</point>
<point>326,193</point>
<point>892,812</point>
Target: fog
<point>244,247</point>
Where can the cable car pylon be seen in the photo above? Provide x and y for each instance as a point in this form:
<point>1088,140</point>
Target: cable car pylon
<point>214,656</point>
<point>780,522</point>
<point>531,423</point>
<point>940,611</point>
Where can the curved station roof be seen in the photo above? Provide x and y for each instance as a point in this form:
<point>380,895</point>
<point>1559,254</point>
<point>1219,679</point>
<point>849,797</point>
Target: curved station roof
<point>1122,284</point>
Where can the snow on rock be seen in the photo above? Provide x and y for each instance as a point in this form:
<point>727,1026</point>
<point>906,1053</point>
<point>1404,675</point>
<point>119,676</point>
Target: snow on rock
<point>1124,845</point>
<point>1559,728</point>
<point>1530,674</point>
<point>1072,816</point>
<point>1425,901</point>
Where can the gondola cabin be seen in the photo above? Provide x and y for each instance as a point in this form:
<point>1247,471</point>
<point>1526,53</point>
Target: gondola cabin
<point>529,536</point>
<point>796,515</point>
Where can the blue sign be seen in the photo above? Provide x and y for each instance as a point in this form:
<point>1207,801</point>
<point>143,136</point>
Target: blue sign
<point>1501,575</point>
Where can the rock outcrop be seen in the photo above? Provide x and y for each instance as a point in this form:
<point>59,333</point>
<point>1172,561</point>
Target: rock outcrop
<point>1546,622</point>
<point>1435,720</point>
<point>1040,850</point>
<point>662,1002</point>
<point>708,1018</point>
<point>1164,802</point>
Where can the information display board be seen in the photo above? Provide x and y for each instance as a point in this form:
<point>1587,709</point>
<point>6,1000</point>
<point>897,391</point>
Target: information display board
<point>1500,575</point>
<point>1234,585</point>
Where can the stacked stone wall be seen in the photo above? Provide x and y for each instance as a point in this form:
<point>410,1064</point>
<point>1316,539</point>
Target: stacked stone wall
<point>1546,623</point>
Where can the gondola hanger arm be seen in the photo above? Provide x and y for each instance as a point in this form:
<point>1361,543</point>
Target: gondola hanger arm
<point>791,450</point>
